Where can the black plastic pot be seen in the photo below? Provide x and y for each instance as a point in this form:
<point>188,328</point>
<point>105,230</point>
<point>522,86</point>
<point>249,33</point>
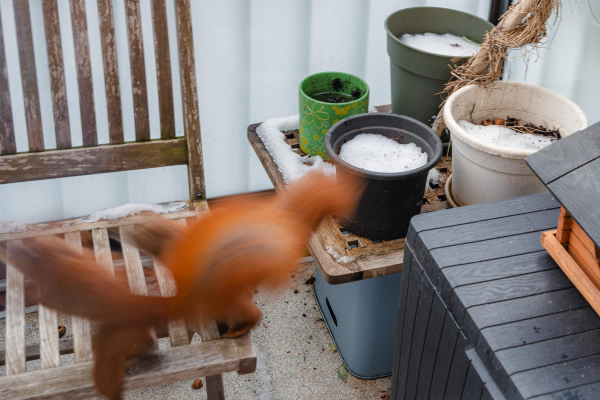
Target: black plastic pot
<point>390,200</point>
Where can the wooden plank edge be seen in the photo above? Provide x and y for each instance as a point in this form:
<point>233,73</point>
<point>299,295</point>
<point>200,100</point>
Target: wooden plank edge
<point>79,161</point>
<point>156,368</point>
<point>571,269</point>
<point>77,224</point>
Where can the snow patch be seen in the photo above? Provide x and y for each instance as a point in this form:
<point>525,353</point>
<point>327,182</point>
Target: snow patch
<point>338,257</point>
<point>433,177</point>
<point>505,137</point>
<point>111,214</point>
<point>291,165</point>
<point>12,227</point>
<point>378,153</point>
<point>446,44</point>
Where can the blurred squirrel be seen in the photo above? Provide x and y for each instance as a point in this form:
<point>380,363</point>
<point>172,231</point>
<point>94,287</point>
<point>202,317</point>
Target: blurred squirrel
<point>216,263</point>
<point>242,244</point>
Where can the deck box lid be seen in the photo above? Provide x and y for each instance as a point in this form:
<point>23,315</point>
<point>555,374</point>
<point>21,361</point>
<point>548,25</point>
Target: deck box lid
<point>570,169</point>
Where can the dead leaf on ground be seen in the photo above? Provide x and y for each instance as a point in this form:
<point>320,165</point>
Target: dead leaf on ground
<point>343,373</point>
<point>332,348</point>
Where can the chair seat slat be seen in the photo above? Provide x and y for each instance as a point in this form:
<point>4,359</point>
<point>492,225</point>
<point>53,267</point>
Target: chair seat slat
<point>15,318</point>
<point>102,249</point>
<point>48,322</point>
<point>82,333</point>
<point>178,332</point>
<point>133,265</point>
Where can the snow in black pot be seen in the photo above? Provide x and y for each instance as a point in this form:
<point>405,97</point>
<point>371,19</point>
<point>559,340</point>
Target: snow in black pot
<point>390,199</point>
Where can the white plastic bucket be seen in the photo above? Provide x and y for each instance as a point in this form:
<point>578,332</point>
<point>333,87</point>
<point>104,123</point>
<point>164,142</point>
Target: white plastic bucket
<point>483,172</point>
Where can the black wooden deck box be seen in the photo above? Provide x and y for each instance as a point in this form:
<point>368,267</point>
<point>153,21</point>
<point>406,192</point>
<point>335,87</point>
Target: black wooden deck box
<point>486,313</point>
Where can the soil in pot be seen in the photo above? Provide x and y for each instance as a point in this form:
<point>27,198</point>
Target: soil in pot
<point>393,154</point>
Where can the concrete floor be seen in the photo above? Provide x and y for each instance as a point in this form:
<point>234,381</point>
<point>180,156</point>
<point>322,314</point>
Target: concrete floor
<point>292,345</point>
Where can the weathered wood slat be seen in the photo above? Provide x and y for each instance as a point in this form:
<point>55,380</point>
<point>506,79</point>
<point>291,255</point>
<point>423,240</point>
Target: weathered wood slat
<point>79,224</point>
<point>111,71</point>
<point>7,130</point>
<point>102,249</point>
<point>208,331</point>
<point>138,70</point>
<point>48,323</point>
<point>84,73</point>
<point>189,94</point>
<point>57,74</point>
<point>82,333</point>
<point>15,319</point>
<point>133,265</point>
<point>157,368</point>
<point>31,96</point>
<point>178,332</point>
<point>163,69</point>
<point>97,160</point>
<point>65,346</point>
<point>49,351</point>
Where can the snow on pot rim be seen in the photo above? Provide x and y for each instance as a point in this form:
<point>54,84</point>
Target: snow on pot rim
<point>429,9</point>
<point>334,156</point>
<point>451,122</point>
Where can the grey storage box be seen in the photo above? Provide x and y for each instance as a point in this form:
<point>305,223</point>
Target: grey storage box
<point>361,317</point>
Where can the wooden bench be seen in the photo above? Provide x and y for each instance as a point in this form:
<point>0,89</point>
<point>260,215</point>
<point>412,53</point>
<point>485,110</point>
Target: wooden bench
<point>182,360</point>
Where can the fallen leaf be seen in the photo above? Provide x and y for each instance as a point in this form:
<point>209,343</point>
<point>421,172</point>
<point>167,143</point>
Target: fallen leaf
<point>385,397</point>
<point>343,373</point>
<point>332,347</point>
<point>310,281</point>
<point>265,325</point>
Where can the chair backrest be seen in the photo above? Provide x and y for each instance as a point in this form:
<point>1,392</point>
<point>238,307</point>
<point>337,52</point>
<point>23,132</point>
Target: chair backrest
<point>92,158</point>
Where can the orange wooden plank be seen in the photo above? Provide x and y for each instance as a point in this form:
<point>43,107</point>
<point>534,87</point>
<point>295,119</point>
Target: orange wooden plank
<point>564,226</point>
<point>584,238</point>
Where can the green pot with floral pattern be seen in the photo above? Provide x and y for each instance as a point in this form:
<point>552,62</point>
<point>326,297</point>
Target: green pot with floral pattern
<point>326,98</point>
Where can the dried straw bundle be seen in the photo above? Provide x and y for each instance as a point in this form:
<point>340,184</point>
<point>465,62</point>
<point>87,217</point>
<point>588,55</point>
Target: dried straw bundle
<point>524,24</point>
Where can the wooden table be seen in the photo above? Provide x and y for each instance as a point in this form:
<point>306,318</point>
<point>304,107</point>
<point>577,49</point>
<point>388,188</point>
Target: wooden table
<point>487,314</point>
<point>371,258</point>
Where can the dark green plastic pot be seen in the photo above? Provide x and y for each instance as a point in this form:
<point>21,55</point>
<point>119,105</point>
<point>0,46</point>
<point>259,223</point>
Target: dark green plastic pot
<point>417,75</point>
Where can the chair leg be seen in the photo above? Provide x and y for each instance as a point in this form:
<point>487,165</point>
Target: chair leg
<point>214,387</point>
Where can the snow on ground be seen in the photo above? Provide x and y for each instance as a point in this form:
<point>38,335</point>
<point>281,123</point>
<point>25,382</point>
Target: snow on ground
<point>378,153</point>
<point>446,44</point>
<point>291,165</point>
<point>126,210</point>
<point>505,137</point>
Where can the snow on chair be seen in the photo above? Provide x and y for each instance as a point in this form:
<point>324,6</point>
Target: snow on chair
<point>182,360</point>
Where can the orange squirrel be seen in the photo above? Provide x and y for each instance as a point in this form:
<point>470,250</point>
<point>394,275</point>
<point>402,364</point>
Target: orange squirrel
<point>242,244</point>
<point>216,263</point>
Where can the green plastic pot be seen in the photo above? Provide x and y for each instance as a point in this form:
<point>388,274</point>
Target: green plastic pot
<point>316,117</point>
<point>418,76</point>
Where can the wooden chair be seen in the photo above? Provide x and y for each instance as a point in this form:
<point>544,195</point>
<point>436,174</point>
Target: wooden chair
<point>182,360</point>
